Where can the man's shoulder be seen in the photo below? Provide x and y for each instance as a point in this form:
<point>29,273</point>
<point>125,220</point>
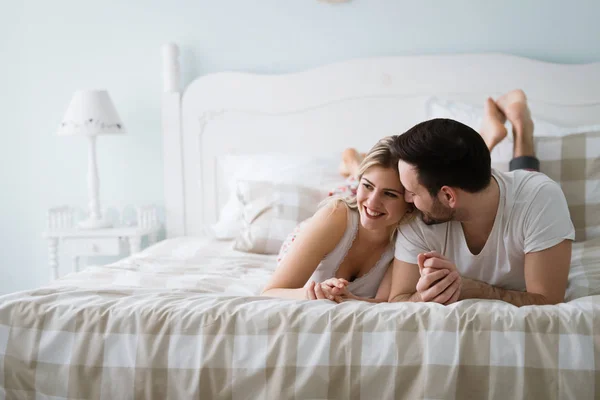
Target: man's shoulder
<point>522,185</point>
<point>416,237</point>
<point>416,227</point>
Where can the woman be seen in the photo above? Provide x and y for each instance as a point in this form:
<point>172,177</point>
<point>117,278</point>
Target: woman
<point>344,251</point>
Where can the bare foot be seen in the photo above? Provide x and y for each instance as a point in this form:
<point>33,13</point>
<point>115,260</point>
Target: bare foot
<point>514,105</point>
<point>350,164</point>
<point>492,126</point>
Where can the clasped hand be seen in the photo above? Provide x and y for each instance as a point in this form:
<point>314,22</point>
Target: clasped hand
<point>334,289</point>
<point>440,282</point>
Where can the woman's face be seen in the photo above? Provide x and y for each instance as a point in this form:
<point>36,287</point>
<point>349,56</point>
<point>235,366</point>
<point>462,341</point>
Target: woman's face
<point>380,198</point>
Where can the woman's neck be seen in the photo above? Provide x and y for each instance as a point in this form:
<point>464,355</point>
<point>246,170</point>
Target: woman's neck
<point>377,237</point>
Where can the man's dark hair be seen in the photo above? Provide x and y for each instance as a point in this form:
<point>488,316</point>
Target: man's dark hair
<point>445,152</point>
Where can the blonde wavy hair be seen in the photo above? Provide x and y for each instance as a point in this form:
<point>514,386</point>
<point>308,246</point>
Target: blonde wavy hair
<point>380,155</point>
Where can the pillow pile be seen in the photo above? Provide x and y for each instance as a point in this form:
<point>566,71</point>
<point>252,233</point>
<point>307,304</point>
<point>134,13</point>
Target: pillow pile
<point>584,275</point>
<point>574,162</point>
<point>319,173</point>
<point>270,212</point>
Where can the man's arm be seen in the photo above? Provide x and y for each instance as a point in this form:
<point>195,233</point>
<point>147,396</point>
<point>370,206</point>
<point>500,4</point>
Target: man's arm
<point>546,275</point>
<point>409,285</point>
<point>404,282</point>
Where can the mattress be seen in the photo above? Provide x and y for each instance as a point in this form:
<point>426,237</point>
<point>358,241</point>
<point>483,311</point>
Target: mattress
<point>184,318</point>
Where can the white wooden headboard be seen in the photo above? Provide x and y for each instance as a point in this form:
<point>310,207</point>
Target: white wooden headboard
<point>324,110</point>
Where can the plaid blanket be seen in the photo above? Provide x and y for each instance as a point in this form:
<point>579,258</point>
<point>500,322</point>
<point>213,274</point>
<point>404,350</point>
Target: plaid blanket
<point>181,321</point>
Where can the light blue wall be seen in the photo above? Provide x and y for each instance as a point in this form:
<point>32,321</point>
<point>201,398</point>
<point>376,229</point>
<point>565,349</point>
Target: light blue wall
<point>48,49</point>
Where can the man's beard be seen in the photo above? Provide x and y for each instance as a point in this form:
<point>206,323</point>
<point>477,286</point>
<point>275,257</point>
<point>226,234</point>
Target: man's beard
<point>439,214</point>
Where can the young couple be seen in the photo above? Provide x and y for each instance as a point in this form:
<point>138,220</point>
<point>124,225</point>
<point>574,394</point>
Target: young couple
<point>474,233</point>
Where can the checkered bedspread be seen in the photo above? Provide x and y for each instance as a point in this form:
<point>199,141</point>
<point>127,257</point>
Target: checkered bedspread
<point>181,320</point>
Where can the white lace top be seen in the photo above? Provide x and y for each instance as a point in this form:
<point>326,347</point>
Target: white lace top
<point>366,285</point>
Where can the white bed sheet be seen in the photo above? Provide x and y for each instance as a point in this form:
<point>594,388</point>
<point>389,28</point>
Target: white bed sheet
<point>209,265</point>
<point>199,264</point>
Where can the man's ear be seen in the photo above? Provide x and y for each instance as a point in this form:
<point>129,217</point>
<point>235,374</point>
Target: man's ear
<point>448,196</point>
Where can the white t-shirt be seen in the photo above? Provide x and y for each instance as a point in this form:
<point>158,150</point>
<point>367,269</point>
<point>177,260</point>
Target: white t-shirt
<point>532,216</point>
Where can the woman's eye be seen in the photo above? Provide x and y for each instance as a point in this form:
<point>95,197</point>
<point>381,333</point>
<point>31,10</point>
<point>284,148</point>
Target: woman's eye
<point>392,195</point>
<point>367,186</point>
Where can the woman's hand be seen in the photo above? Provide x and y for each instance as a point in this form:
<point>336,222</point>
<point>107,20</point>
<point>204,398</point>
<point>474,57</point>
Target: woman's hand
<point>334,289</point>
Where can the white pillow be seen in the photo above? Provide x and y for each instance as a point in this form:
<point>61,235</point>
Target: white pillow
<point>319,173</point>
<point>270,212</point>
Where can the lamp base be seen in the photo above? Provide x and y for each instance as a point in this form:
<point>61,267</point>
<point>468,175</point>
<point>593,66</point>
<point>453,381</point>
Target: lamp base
<point>94,224</point>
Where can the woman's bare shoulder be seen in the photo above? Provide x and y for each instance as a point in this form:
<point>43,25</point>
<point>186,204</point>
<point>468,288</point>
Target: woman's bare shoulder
<point>329,222</point>
<point>334,213</point>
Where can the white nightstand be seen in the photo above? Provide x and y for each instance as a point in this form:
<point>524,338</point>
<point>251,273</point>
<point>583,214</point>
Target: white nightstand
<point>78,242</point>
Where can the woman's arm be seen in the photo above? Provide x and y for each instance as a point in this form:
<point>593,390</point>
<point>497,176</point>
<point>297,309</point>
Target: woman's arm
<point>317,239</point>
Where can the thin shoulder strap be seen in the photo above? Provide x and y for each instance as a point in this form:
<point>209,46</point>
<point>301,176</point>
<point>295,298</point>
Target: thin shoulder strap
<point>348,238</point>
<point>446,239</point>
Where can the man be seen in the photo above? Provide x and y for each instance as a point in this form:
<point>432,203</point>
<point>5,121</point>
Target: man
<point>482,233</point>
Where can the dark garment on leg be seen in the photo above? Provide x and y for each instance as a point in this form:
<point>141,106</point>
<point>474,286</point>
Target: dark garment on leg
<point>524,162</point>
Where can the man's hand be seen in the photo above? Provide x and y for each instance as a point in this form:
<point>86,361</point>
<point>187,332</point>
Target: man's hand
<point>440,282</point>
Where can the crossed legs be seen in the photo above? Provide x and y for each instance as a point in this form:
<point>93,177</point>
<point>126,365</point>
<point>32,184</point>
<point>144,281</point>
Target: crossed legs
<point>512,106</point>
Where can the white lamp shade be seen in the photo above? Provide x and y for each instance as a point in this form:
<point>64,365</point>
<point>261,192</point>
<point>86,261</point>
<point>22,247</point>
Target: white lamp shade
<point>91,112</point>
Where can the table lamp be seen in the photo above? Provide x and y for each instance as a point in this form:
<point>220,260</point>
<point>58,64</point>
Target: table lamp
<point>91,113</point>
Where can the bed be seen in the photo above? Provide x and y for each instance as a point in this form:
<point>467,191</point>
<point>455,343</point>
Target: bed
<point>184,318</point>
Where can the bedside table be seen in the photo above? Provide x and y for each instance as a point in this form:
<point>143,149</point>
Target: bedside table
<point>96,242</point>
